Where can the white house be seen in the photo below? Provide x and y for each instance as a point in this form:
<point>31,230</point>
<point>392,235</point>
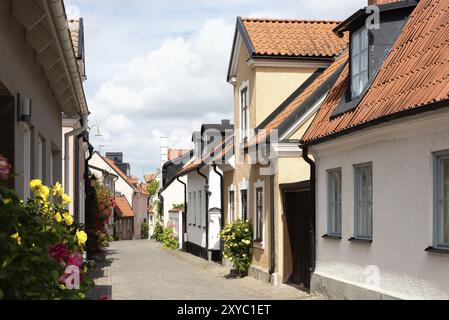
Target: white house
<point>204,192</point>
<point>380,146</point>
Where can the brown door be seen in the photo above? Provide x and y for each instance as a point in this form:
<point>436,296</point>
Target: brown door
<point>297,210</point>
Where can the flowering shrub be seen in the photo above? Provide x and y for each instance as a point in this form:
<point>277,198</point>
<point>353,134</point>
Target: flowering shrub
<point>238,245</point>
<point>169,237</point>
<point>144,229</point>
<point>40,245</point>
<point>100,211</point>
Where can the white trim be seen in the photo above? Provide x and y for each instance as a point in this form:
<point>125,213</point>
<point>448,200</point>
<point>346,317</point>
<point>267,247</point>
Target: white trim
<point>301,121</point>
<point>244,86</point>
<point>231,188</point>
<point>243,186</point>
<point>26,161</point>
<point>234,58</point>
<point>253,63</point>
<point>257,185</point>
<point>287,149</point>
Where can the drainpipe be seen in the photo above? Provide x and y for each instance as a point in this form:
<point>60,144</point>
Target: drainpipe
<point>272,230</point>
<point>206,189</point>
<point>214,165</point>
<point>305,155</point>
<point>184,217</point>
<point>67,136</point>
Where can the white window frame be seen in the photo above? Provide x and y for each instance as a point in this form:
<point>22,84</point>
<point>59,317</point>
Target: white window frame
<point>358,169</point>
<point>259,242</point>
<point>194,207</point>
<point>244,134</point>
<point>231,215</point>
<point>26,161</point>
<point>200,208</point>
<point>359,61</point>
<point>334,202</point>
<point>438,243</point>
<point>40,158</point>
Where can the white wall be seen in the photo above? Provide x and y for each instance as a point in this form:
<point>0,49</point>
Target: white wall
<point>401,153</point>
<point>173,194</point>
<point>121,186</point>
<point>196,183</point>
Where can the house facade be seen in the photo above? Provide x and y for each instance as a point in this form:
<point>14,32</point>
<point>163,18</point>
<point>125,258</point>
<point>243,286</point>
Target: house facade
<point>271,59</point>
<point>380,146</point>
<point>39,81</point>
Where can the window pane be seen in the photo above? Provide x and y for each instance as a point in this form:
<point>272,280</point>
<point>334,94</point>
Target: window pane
<point>356,43</point>
<point>364,60</point>
<point>364,202</point>
<point>356,65</point>
<point>364,39</point>
<point>444,202</point>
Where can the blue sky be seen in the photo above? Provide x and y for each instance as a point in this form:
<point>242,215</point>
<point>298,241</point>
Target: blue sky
<point>158,68</point>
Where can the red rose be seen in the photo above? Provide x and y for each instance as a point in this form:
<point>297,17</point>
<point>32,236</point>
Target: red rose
<point>75,259</point>
<point>58,252</point>
<point>4,168</point>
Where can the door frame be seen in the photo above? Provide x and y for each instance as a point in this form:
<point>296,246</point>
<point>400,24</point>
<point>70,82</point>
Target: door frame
<point>297,187</point>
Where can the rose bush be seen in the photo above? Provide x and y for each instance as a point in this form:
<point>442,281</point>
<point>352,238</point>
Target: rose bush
<point>39,244</point>
<point>238,245</point>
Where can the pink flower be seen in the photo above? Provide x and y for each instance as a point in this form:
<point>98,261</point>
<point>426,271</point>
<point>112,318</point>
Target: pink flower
<point>58,252</point>
<point>4,168</point>
<point>75,259</point>
<point>105,297</point>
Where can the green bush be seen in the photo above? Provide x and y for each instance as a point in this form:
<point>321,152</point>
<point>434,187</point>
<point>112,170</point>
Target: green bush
<point>169,238</point>
<point>238,245</point>
<point>158,231</point>
<point>144,229</point>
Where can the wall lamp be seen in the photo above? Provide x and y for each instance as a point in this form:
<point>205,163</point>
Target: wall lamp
<point>24,109</point>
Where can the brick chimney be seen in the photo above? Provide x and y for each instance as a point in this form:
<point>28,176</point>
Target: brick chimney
<point>381,2</point>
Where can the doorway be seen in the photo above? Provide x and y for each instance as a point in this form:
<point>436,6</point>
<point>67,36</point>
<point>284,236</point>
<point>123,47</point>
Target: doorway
<point>297,211</point>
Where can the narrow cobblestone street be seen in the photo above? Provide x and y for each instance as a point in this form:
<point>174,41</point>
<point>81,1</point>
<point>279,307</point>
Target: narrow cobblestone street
<point>144,270</point>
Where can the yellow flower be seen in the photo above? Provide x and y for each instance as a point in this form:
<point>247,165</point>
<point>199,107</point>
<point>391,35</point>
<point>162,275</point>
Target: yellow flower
<point>68,218</point>
<point>81,237</point>
<point>7,201</point>
<point>66,199</point>
<point>17,237</point>
<point>58,217</point>
<point>36,183</point>
<point>57,190</point>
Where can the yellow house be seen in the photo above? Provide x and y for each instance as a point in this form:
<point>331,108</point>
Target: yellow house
<point>275,66</point>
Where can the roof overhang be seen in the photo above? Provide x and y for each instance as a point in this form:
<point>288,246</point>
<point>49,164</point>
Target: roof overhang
<point>47,32</point>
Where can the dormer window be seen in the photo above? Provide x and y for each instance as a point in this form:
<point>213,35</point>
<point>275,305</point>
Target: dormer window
<point>359,61</point>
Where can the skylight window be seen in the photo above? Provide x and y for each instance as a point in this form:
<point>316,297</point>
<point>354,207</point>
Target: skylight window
<point>359,61</point>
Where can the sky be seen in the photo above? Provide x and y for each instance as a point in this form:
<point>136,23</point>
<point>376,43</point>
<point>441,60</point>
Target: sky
<point>157,68</point>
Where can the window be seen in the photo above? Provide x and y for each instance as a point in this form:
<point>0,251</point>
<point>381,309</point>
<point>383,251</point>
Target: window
<point>359,61</point>
<point>244,116</point>
<point>189,209</point>
<point>244,200</point>
<point>231,206</point>
<point>26,161</point>
<point>258,221</point>
<point>441,178</point>
<point>40,158</point>
<point>334,202</point>
<point>194,208</point>
<point>200,208</point>
<point>364,202</point>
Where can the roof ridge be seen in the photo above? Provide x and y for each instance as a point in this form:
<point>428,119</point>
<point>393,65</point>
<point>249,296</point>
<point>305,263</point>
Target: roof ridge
<point>255,19</point>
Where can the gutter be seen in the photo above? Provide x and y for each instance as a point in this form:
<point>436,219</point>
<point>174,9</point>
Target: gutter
<point>184,216</point>
<point>272,230</point>
<point>214,165</point>
<point>206,189</point>
<point>305,155</point>
<point>67,136</point>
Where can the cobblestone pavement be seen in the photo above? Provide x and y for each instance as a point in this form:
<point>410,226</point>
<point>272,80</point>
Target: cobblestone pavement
<point>144,270</point>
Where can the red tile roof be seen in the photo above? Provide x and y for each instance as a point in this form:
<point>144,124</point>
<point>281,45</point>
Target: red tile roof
<point>176,153</point>
<point>151,177</point>
<point>296,103</point>
<point>294,38</point>
<point>123,208</point>
<point>414,75</point>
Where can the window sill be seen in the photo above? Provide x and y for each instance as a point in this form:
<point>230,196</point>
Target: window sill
<point>358,240</point>
<point>436,250</point>
<point>331,237</point>
<point>258,244</point>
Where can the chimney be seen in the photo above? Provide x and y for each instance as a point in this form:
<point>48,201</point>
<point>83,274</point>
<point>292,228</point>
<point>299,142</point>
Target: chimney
<point>380,2</point>
<point>164,150</point>
<point>226,122</point>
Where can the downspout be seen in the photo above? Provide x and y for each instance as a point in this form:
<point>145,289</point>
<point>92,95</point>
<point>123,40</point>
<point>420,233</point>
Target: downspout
<point>272,230</point>
<point>67,136</point>
<point>305,155</point>
<point>206,189</point>
<point>184,216</point>
<point>214,165</point>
